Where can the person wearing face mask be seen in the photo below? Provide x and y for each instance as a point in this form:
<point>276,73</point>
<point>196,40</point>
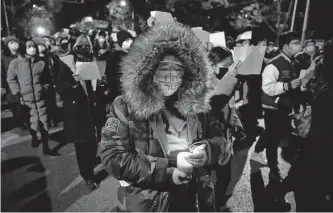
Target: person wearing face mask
<point>304,59</point>
<point>50,43</point>
<point>270,52</point>
<point>159,140</point>
<point>223,108</point>
<point>64,47</point>
<point>101,46</point>
<point>52,62</point>
<point>251,110</point>
<point>79,101</point>
<point>28,78</point>
<point>10,52</point>
<point>280,85</point>
<point>112,70</point>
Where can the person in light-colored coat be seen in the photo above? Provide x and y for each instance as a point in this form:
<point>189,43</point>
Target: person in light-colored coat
<point>28,79</point>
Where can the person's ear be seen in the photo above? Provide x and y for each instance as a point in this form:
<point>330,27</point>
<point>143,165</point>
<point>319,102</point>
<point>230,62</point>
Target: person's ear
<point>286,47</point>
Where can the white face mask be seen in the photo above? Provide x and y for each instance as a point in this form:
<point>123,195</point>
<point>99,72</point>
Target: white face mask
<point>31,51</point>
<point>101,40</point>
<point>126,44</point>
<point>310,49</point>
<point>13,46</point>
<point>41,49</point>
<point>169,77</point>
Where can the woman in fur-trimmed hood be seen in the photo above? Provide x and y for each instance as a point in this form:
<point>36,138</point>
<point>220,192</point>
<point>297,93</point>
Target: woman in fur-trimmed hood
<point>159,141</point>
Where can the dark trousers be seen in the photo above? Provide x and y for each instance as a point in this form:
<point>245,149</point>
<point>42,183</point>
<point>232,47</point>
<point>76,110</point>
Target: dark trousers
<point>52,106</point>
<point>223,178</point>
<point>85,155</point>
<point>277,125</point>
<point>44,134</point>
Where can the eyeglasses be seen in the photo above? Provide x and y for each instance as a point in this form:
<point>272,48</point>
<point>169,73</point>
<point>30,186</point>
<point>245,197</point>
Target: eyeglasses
<point>296,43</point>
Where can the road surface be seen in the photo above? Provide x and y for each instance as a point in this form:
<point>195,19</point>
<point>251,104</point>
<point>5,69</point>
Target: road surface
<point>34,182</point>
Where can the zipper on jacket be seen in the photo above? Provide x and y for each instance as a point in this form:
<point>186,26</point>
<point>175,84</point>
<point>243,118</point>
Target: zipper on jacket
<point>33,88</point>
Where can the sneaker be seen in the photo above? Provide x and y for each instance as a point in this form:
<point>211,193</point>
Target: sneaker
<point>50,152</point>
<point>259,157</point>
<point>92,185</point>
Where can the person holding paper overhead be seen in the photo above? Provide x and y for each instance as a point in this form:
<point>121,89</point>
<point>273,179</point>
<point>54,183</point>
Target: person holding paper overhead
<point>223,108</point>
<point>79,109</point>
<point>280,87</point>
<point>159,142</point>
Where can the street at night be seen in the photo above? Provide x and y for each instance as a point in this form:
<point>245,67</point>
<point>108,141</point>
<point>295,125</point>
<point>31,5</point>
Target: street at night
<point>166,106</point>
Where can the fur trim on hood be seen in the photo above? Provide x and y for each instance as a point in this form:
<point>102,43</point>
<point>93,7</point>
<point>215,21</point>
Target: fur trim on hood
<point>143,97</point>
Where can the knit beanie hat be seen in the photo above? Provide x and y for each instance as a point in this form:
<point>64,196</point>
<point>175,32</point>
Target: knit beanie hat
<point>122,36</point>
<point>10,38</point>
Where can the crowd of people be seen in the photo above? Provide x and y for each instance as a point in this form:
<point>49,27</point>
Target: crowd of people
<point>164,124</point>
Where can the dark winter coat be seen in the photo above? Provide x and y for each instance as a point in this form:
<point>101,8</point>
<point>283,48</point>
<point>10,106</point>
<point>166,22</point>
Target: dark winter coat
<point>5,61</point>
<point>134,138</point>
<point>78,121</point>
<point>31,79</point>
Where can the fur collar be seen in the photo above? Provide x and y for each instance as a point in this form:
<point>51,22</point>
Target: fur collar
<point>142,96</point>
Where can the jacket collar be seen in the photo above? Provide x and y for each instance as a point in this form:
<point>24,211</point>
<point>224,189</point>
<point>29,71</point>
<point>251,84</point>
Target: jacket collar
<point>285,56</point>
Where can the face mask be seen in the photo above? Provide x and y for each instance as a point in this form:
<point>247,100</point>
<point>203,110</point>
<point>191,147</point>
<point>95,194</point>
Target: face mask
<point>41,48</point>
<point>83,50</point>
<point>270,49</point>
<point>13,46</point>
<point>64,46</point>
<point>168,79</point>
<point>223,70</point>
<point>310,49</point>
<point>31,51</point>
<point>126,44</point>
<point>101,40</point>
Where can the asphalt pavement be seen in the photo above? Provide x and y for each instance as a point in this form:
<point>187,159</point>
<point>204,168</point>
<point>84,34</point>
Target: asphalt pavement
<point>31,181</point>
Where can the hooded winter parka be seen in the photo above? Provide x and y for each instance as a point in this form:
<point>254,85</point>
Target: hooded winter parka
<point>134,139</point>
<point>30,78</point>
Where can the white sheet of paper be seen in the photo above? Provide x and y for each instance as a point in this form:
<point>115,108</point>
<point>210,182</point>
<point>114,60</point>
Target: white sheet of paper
<point>196,28</point>
<point>252,58</point>
<point>88,70</point>
<point>240,53</point>
<point>69,61</point>
<point>101,67</point>
<point>245,36</point>
<point>306,75</point>
<point>202,34</point>
<point>217,39</point>
<point>161,17</point>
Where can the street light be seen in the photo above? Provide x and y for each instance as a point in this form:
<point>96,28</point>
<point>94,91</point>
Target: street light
<point>40,30</point>
<point>123,3</point>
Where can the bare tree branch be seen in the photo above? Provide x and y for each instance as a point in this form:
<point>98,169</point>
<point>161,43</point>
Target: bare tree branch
<point>288,15</point>
<point>264,19</point>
